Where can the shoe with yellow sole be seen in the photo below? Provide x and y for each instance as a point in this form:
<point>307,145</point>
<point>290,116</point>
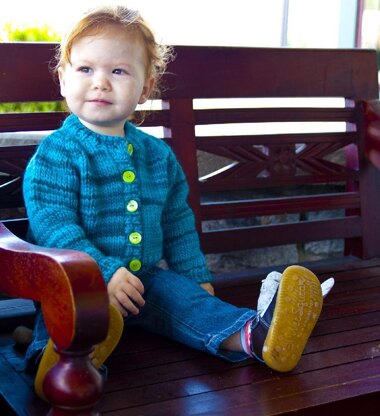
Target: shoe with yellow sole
<point>280,333</point>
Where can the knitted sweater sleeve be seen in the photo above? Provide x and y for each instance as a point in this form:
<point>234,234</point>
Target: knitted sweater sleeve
<point>51,188</point>
<point>181,242</point>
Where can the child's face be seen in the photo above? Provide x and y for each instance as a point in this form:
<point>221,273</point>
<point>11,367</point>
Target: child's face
<point>105,80</point>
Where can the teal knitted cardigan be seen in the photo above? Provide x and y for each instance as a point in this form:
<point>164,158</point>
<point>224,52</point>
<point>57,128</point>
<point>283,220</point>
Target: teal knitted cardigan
<point>122,200</point>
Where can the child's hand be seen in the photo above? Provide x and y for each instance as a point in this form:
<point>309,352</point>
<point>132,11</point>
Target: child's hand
<point>125,291</point>
<point>208,287</point>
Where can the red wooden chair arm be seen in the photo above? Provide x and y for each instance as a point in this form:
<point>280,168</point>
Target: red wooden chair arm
<point>74,302</point>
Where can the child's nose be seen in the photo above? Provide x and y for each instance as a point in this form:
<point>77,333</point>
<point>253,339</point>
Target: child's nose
<point>101,82</point>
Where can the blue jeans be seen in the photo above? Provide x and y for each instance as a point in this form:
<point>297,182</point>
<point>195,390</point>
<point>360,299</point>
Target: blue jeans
<point>180,309</point>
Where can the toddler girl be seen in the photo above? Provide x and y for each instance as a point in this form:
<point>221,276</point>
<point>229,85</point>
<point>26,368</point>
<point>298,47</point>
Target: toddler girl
<point>100,185</point>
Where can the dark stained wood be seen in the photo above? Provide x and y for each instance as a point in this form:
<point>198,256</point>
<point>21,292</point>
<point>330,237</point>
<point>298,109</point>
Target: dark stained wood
<point>182,132</point>
<point>263,175</point>
<point>30,121</point>
<point>272,72</point>
<point>150,375</point>
<point>73,296</point>
<point>259,161</point>
<point>36,82</point>
<point>188,382</point>
<point>262,236</point>
<point>266,115</point>
<point>20,399</point>
<point>336,73</point>
<point>69,272</point>
<point>12,165</point>
<point>213,211</point>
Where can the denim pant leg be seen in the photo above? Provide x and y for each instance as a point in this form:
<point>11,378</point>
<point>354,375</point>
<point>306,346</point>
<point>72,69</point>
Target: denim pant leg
<point>39,341</point>
<point>181,310</point>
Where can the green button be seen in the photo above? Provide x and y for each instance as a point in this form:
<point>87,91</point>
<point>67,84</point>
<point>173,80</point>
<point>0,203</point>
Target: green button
<point>132,205</point>
<point>130,149</point>
<point>135,238</point>
<point>135,265</point>
<point>129,176</point>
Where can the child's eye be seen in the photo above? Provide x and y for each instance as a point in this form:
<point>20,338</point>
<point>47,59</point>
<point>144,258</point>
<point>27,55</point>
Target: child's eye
<point>119,71</point>
<point>84,69</point>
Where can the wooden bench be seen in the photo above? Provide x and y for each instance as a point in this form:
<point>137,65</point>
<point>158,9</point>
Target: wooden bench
<point>287,174</point>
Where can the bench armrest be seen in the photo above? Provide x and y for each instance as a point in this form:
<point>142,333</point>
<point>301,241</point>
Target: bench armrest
<point>73,297</point>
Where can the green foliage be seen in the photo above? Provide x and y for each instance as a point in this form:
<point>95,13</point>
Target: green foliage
<point>372,4</point>
<point>32,107</point>
<point>11,33</point>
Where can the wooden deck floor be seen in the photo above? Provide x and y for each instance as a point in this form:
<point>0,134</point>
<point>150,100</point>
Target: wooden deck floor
<point>340,370</point>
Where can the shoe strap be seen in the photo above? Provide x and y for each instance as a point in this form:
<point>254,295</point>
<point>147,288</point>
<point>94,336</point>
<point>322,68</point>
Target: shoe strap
<point>259,331</point>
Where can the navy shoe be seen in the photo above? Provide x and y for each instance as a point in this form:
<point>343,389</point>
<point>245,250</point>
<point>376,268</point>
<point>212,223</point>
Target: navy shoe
<point>279,335</point>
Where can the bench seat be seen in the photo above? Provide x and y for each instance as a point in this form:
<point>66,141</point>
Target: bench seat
<point>150,375</point>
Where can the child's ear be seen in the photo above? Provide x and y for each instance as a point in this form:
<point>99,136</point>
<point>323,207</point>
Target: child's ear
<point>147,89</point>
<point>61,76</point>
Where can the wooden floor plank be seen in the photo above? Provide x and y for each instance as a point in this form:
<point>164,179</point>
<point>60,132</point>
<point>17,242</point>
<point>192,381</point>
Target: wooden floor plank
<point>18,393</point>
<point>359,322</point>
<point>358,307</point>
<point>214,374</point>
<point>283,394</point>
<point>345,323</point>
<point>342,339</point>
<point>15,312</point>
<point>140,364</point>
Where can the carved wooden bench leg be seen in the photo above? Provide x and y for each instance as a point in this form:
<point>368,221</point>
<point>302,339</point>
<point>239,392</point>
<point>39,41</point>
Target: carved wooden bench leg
<point>73,385</point>
<point>74,301</point>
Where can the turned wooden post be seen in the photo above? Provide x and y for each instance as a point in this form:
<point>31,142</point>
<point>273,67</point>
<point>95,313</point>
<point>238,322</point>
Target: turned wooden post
<point>73,384</point>
<point>74,302</point>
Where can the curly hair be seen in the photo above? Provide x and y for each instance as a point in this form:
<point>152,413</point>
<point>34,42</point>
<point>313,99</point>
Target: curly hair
<point>97,19</point>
